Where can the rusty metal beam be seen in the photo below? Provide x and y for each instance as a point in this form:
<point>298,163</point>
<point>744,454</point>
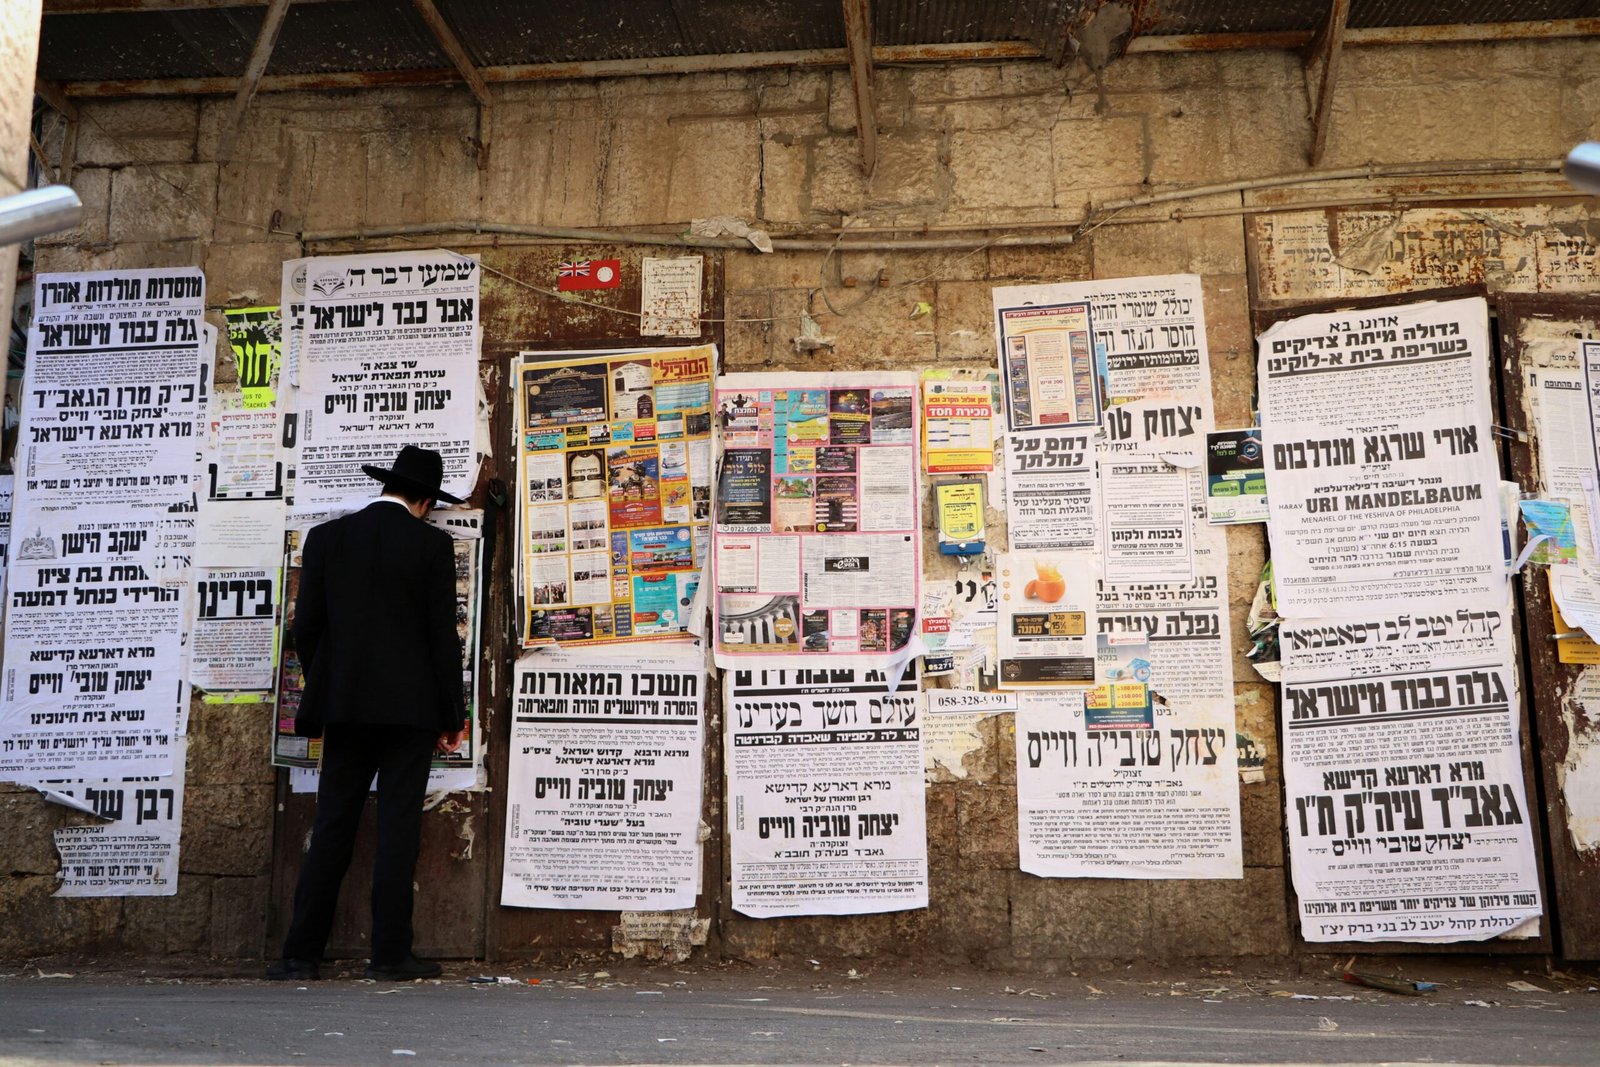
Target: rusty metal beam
<point>536,72</point>
<point>858,37</point>
<point>457,52</point>
<point>105,7</point>
<point>271,23</point>
<point>56,97</point>
<point>1371,36</point>
<point>1327,48</point>
<point>454,50</point>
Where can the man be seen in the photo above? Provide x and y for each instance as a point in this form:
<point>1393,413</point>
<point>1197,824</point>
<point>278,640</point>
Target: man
<point>375,631</point>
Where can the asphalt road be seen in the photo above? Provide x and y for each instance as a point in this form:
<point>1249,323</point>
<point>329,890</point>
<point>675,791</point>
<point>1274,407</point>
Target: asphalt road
<point>668,1017</point>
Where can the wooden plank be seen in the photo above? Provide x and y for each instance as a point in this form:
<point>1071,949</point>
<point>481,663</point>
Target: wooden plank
<point>1372,36</point>
<point>271,23</point>
<point>1534,330</point>
<point>858,34</point>
<point>1327,49</point>
<point>537,72</point>
<point>107,7</point>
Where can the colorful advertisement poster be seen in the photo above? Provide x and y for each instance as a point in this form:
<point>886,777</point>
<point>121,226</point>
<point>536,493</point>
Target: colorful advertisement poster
<point>1047,361</point>
<point>957,426</point>
<point>614,475</point>
<point>817,541</point>
<point>1047,619</point>
<point>1236,479</point>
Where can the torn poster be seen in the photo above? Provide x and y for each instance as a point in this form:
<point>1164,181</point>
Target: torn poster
<point>1126,803</point>
<point>1046,626</point>
<point>826,803</point>
<point>669,296</point>
<point>234,639</point>
<point>951,731</point>
<point>614,492</point>
<point>1402,770</point>
<point>111,399</point>
<point>1382,479</point>
<point>133,852</point>
<point>818,532</point>
<point>388,356</point>
<point>605,779</point>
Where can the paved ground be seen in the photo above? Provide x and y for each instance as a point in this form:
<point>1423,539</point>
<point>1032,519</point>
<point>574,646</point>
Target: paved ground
<point>800,1014</point>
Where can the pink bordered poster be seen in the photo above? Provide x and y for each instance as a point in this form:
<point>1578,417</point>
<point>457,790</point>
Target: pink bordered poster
<point>817,531</point>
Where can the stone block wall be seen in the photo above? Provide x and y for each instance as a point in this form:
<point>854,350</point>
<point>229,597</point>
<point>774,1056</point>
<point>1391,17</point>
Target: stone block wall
<point>994,147</point>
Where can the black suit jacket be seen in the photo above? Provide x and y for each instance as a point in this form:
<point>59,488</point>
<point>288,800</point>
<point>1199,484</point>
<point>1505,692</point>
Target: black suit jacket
<point>375,624</point>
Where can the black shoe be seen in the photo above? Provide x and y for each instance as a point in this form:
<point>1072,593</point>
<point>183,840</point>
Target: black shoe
<point>406,970</point>
<point>290,969</point>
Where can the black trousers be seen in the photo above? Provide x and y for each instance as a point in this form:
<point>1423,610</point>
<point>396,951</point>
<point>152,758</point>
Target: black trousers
<point>351,755</point>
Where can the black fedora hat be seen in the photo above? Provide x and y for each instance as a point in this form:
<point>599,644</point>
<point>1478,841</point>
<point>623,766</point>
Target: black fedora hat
<point>416,472</point>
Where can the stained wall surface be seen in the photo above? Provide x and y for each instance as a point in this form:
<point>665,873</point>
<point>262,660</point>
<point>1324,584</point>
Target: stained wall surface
<point>999,147</point>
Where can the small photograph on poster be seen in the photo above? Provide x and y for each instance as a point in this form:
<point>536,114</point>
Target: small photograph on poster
<point>586,479</point>
<point>634,489</point>
<point>836,461</point>
<point>808,417</point>
<point>744,491</point>
<point>873,628</point>
<point>563,396</point>
<point>632,391</point>
<point>814,627</point>
<point>1047,619</point>
<point>891,416</point>
<point>850,419</point>
<point>836,507</point>
<point>757,623</point>
<point>901,623</point>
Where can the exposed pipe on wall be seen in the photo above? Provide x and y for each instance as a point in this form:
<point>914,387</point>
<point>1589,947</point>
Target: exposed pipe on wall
<point>980,236</point>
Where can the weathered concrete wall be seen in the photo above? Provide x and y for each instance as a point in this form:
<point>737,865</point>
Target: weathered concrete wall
<point>977,146</point>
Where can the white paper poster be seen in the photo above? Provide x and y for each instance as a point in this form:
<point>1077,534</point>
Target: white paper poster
<point>826,803</point>
<point>1147,525</point>
<point>131,849</point>
<point>669,296</point>
<point>111,399</point>
<point>605,779</point>
<point>1402,769</point>
<point>1161,802</point>
<point>1382,478</point>
<point>1052,498</point>
<point>233,643</point>
<point>93,674</point>
<point>387,356</point>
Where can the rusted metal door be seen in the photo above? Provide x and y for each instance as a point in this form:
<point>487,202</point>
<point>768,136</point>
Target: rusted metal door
<point>519,317</point>
<point>458,874</point>
<point>1537,334</point>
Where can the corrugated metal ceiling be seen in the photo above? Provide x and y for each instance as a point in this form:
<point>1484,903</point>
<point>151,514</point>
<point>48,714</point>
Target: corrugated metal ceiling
<point>388,35</point>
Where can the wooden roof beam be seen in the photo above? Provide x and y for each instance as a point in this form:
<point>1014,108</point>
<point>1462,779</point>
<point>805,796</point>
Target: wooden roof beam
<point>457,52</point>
<point>1325,51</point>
<point>271,23</point>
<point>111,7</point>
<point>858,41</point>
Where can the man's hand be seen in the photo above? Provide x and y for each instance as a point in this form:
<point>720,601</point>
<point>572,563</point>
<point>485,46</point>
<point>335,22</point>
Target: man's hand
<point>451,741</point>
